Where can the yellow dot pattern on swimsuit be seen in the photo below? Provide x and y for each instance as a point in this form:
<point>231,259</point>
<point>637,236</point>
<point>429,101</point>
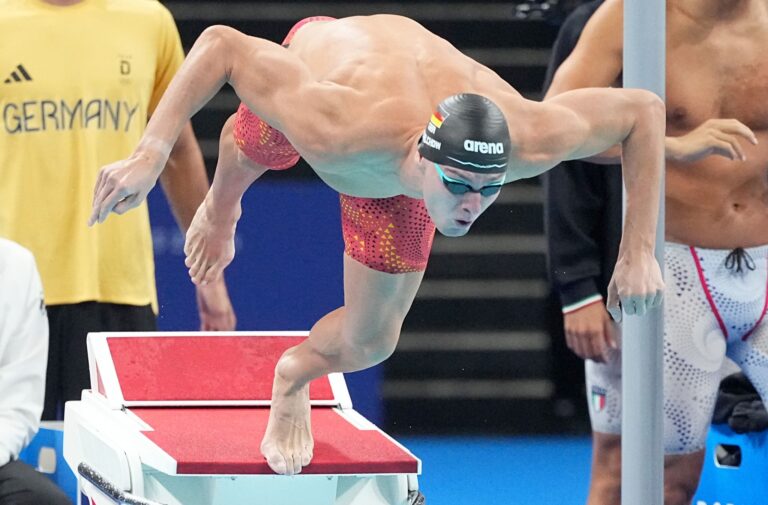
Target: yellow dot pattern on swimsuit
<point>392,235</point>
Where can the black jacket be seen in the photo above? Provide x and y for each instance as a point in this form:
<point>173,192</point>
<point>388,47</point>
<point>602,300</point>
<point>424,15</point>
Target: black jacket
<point>582,202</point>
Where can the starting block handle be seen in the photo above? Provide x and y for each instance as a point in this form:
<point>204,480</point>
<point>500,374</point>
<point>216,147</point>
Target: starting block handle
<point>109,489</point>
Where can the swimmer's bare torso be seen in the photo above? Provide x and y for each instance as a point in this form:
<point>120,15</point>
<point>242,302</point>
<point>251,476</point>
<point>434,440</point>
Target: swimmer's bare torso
<point>381,89</point>
<point>715,70</point>
<point>718,69</point>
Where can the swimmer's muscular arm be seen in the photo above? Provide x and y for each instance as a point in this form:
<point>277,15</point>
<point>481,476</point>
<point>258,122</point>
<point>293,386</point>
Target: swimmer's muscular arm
<point>580,123</point>
<point>270,80</point>
<point>265,76</point>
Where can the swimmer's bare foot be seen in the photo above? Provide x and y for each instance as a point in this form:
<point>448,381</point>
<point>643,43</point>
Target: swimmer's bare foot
<point>210,242</point>
<point>288,444</point>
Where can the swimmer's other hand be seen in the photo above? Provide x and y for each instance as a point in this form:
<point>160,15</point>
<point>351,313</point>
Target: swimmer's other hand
<point>721,137</point>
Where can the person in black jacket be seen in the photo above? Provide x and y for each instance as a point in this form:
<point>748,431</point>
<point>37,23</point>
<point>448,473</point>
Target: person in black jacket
<point>583,225</point>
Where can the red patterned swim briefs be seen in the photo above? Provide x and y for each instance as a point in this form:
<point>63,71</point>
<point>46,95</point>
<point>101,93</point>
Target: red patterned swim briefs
<point>392,235</point>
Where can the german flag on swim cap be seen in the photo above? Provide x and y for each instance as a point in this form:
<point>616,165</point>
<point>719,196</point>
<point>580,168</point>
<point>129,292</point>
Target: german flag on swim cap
<point>437,119</point>
<point>469,132</point>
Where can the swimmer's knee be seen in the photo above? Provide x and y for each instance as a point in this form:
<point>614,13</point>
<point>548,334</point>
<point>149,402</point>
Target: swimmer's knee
<point>261,143</point>
<point>605,489</point>
<point>375,346</point>
<point>377,353</point>
<point>678,493</point>
<point>607,448</point>
<point>605,485</point>
<point>681,477</point>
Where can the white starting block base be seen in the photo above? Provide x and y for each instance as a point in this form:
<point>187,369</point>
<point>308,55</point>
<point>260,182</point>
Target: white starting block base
<point>136,459</point>
<point>277,490</point>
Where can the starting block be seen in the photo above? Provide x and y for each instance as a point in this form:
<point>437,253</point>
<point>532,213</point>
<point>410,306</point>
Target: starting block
<point>177,419</point>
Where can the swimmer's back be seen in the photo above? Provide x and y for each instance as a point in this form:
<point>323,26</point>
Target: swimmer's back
<point>358,51</point>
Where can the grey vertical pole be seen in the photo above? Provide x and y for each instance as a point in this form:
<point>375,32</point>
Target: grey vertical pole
<point>642,462</point>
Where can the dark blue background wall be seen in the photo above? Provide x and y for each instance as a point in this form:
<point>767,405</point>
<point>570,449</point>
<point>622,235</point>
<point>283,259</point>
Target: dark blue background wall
<point>287,271</point>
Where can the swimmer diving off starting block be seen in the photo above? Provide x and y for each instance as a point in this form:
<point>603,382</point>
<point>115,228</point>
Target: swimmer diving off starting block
<point>414,136</point>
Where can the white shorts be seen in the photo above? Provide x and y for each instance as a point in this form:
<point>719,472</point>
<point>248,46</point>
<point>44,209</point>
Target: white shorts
<point>711,312</point>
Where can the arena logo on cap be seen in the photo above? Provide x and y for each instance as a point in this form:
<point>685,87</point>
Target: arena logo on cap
<point>477,146</point>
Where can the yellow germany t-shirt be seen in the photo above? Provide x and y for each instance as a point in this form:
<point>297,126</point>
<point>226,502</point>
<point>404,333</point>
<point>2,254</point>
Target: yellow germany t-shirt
<point>77,85</point>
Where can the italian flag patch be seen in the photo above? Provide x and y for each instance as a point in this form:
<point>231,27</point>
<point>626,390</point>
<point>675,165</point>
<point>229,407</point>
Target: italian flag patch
<point>598,399</point>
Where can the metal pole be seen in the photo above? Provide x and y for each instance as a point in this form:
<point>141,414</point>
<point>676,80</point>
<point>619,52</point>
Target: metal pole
<point>642,461</point>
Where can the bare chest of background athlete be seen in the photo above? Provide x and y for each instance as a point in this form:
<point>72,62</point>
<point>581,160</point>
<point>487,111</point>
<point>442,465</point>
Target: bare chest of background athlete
<point>390,74</point>
<point>718,70</point>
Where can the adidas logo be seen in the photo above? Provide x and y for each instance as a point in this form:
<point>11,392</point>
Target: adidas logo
<point>18,75</point>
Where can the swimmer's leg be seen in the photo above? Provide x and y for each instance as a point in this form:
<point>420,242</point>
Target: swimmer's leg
<point>694,352</point>
<point>605,483</point>
<point>358,335</point>
<point>681,477</point>
<point>604,395</point>
<point>210,241</point>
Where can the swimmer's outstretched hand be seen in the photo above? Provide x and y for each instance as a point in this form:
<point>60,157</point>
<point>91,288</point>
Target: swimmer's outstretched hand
<point>210,243</point>
<point>721,137</point>
<point>124,184</point>
<point>636,286</point>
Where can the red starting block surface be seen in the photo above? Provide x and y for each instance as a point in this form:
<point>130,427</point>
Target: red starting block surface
<point>204,398</point>
<point>226,441</point>
<point>200,368</point>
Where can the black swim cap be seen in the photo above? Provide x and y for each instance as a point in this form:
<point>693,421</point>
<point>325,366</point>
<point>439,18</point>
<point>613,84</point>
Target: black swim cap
<point>469,132</point>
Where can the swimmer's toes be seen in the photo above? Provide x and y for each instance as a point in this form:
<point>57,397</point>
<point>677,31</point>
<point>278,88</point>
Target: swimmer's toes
<point>276,461</point>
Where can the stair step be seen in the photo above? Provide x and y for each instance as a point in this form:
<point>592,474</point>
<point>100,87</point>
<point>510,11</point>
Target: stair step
<point>522,218</point>
<point>467,389</point>
<point>463,366</point>
<point>412,341</point>
<point>500,314</point>
<point>482,289</point>
<point>486,265</point>
<point>466,416</point>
